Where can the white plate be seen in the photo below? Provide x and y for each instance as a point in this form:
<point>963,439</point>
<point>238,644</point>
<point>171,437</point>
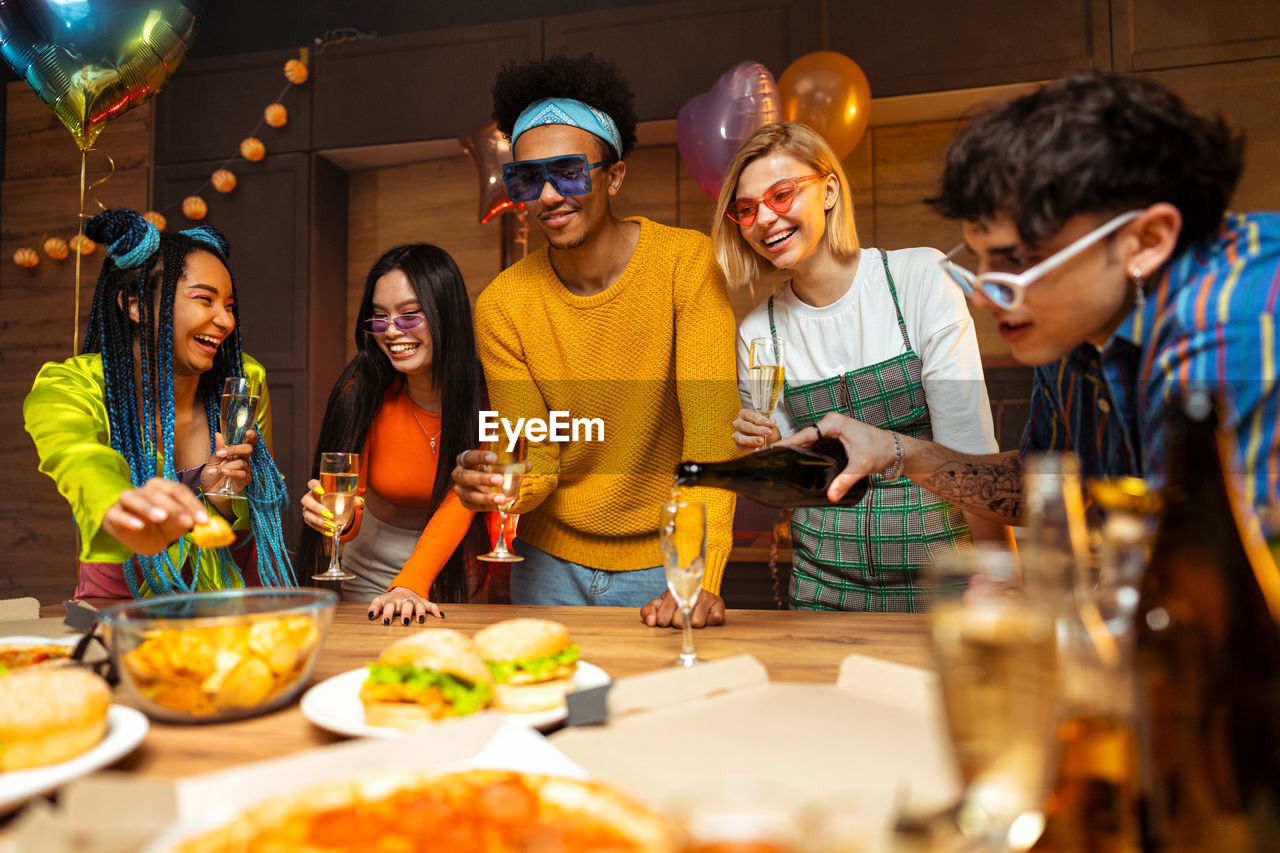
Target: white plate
<point>334,703</point>
<point>70,640</point>
<point>125,730</point>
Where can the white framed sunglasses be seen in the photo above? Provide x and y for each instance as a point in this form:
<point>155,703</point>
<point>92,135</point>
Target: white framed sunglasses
<point>1005,289</point>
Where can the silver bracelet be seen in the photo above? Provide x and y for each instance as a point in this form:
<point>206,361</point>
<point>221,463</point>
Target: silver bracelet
<point>894,471</point>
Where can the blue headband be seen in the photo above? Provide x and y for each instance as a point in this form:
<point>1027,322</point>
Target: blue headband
<point>570,112</point>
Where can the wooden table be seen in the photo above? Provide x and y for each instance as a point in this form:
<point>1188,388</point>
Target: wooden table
<point>794,646</point>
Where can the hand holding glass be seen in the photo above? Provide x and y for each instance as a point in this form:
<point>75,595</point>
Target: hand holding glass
<point>239,403</point>
<point>339,473</point>
<point>682,534</point>
<point>510,464</point>
<point>766,374</point>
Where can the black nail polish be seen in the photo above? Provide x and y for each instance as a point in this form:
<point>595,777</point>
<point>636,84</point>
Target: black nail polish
<point>406,621</point>
<point>386,621</point>
<point>422,619</point>
<point>372,615</point>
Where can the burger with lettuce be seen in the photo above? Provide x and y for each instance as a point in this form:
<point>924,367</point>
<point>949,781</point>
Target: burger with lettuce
<point>531,662</point>
<point>428,676</point>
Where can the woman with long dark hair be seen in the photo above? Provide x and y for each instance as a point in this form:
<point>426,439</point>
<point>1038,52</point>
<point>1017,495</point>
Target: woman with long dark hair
<point>128,429</point>
<point>408,399</point>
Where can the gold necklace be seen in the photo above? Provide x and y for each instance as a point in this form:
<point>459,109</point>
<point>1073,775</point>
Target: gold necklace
<point>413,410</point>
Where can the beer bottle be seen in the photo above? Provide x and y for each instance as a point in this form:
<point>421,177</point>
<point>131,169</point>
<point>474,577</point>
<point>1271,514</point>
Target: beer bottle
<point>1207,659</point>
<point>781,477</point>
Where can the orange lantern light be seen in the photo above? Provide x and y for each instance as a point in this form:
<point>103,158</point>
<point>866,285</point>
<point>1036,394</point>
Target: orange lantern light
<point>83,244</point>
<point>156,219</point>
<point>252,149</point>
<point>223,180</point>
<point>193,207</point>
<point>56,248</point>
<point>275,115</point>
<point>295,72</point>
<point>26,258</point>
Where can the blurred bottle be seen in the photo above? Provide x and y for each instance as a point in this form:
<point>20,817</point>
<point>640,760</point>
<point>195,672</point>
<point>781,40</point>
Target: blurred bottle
<point>1208,659</point>
<point>781,477</point>
<point>1092,807</point>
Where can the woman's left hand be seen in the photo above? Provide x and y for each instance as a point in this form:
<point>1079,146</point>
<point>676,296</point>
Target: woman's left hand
<point>402,604</point>
<point>228,462</point>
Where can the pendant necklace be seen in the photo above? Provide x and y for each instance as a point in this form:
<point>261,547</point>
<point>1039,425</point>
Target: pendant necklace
<point>413,409</point>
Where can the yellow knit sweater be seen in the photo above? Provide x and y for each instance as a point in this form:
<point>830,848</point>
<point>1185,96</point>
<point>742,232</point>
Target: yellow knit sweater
<point>652,356</point>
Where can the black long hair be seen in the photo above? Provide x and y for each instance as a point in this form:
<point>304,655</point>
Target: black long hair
<point>143,268</point>
<point>455,369</point>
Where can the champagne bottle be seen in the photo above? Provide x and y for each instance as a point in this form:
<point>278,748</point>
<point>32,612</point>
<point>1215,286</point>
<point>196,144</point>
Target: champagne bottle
<point>781,477</point>
<point>1208,660</point>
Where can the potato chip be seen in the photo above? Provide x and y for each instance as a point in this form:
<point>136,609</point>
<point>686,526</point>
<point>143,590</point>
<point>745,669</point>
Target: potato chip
<point>214,533</point>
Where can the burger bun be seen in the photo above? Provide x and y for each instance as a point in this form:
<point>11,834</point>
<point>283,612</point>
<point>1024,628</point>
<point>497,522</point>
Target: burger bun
<point>49,714</point>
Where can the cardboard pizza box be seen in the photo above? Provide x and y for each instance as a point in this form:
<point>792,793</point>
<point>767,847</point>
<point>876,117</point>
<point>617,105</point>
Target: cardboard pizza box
<point>865,746</point>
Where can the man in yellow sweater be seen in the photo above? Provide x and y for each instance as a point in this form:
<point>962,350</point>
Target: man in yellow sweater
<point>621,320</point>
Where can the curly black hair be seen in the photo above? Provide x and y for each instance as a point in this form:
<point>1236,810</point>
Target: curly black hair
<point>1091,143</point>
<point>596,82</point>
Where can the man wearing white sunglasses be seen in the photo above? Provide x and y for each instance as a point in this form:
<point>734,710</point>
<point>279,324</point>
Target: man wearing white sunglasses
<point>1095,233</point>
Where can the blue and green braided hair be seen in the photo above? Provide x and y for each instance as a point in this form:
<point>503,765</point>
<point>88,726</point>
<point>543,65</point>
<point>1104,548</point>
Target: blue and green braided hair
<point>140,262</point>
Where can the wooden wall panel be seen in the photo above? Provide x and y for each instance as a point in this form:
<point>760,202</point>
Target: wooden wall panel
<point>920,47</point>
<point>210,105</point>
<point>40,146</point>
<point>1154,34</point>
<point>670,52</point>
<point>430,85</point>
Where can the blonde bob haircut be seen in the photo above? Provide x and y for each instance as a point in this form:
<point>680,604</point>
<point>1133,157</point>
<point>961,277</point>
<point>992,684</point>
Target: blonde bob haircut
<point>739,262</point>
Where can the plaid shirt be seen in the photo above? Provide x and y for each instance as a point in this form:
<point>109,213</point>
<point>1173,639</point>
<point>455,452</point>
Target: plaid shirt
<point>1209,323</point>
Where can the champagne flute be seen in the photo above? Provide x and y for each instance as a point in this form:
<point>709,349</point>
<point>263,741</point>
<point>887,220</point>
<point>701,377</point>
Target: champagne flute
<point>682,533</point>
<point>996,650</point>
<point>510,464</point>
<point>766,374</point>
<point>239,403</point>
<point>339,473</point>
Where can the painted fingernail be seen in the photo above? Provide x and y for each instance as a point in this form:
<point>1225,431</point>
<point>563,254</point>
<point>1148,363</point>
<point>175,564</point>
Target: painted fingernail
<point>372,615</point>
<point>319,490</point>
<point>422,619</point>
<point>406,621</point>
<point>386,620</point>
<point>330,526</point>
<point>326,513</point>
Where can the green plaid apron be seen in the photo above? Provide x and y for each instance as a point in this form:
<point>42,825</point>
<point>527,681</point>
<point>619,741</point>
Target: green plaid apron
<point>866,557</point>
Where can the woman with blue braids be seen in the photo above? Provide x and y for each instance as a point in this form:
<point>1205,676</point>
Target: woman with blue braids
<point>128,428</point>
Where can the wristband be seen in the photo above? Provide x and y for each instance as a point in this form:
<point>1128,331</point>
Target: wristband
<point>894,471</point>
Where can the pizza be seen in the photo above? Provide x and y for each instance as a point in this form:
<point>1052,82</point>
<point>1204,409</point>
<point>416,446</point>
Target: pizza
<point>474,811</point>
<point>18,655</point>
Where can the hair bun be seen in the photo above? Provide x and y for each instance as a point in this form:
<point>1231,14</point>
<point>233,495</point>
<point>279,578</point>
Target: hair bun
<point>128,238</point>
<point>212,238</point>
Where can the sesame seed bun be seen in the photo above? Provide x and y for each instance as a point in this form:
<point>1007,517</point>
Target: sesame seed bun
<point>516,639</point>
<point>439,649</point>
<point>49,714</point>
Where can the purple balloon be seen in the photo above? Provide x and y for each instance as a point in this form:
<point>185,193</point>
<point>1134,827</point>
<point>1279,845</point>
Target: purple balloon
<point>712,126</point>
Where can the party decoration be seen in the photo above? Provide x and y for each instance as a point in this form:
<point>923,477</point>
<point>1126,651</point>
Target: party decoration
<point>193,207</point>
<point>93,60</point>
<point>489,149</point>
<point>713,125</point>
<point>827,91</point>
<point>83,245</point>
<point>56,248</point>
<point>223,180</point>
<point>275,115</point>
<point>295,72</point>
<point>252,149</point>
<point>156,219</point>
<point>26,258</point>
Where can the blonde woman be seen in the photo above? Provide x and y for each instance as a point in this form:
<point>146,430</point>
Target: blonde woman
<point>874,335</point>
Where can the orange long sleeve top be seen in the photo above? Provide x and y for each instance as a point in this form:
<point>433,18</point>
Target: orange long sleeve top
<point>399,463</point>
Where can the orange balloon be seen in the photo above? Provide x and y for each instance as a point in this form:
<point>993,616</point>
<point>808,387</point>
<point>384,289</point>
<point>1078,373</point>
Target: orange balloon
<point>827,91</point>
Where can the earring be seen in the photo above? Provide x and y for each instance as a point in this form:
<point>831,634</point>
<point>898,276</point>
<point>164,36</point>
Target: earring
<point>1140,297</point>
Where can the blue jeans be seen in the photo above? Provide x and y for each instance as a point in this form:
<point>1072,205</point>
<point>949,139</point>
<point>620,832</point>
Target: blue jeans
<point>546,579</point>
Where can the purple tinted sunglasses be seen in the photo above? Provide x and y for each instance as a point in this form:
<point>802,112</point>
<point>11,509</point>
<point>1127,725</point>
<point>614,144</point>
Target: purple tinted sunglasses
<point>404,322</point>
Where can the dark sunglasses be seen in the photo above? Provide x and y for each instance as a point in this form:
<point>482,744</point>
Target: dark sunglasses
<point>569,174</point>
<point>404,322</point>
<point>779,197</point>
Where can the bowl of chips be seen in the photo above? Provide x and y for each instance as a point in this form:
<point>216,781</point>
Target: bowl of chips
<point>217,656</point>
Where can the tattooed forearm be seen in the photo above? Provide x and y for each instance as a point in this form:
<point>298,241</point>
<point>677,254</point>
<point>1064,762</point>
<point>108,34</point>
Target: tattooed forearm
<point>991,485</point>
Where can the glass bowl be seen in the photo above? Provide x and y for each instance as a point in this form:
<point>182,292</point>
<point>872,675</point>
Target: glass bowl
<point>217,656</point>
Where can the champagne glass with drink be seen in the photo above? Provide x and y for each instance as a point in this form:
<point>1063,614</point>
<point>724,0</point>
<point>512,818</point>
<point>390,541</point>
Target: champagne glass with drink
<point>239,403</point>
<point>766,374</point>
<point>511,453</point>
<point>682,534</point>
<point>996,650</point>
<point>339,473</point>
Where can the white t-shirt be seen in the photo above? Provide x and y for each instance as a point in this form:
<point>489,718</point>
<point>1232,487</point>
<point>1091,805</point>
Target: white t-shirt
<point>861,328</point>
